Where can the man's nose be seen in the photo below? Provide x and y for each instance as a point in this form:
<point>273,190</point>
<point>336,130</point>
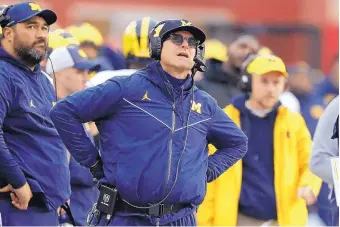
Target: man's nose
<point>271,88</point>
<point>185,42</point>
<point>41,33</point>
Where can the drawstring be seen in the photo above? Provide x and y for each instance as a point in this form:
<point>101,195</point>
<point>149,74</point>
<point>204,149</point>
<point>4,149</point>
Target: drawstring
<point>67,209</point>
<point>171,92</point>
<point>181,103</point>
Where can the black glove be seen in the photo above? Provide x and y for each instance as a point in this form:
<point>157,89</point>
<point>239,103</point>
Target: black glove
<point>97,170</point>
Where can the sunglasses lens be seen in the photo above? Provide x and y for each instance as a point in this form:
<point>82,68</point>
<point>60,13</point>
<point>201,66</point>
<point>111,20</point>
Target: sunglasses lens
<point>192,42</point>
<point>177,39</point>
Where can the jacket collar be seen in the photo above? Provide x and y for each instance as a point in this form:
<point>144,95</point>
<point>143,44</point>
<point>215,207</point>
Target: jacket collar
<point>240,103</point>
<point>5,56</point>
<point>157,75</point>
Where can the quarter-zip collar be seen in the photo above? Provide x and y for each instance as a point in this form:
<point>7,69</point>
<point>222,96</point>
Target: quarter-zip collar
<point>169,86</point>
<point>5,56</point>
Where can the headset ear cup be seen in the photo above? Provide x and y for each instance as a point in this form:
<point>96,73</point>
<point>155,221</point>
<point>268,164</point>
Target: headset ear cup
<point>4,18</point>
<point>245,83</point>
<point>151,48</point>
<point>248,84</point>
<point>155,48</point>
<point>158,48</point>
<point>155,43</point>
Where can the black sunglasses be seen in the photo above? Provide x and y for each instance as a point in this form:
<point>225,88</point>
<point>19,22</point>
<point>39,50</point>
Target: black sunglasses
<point>178,40</point>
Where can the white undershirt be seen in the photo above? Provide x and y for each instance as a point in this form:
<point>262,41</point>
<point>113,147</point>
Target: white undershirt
<point>258,113</point>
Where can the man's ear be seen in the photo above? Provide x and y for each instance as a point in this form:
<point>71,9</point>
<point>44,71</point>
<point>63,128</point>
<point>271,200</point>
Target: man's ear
<point>8,33</point>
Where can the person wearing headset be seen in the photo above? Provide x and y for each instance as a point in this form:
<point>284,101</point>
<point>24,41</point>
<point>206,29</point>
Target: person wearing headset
<point>154,128</point>
<point>272,184</point>
<point>34,173</point>
<point>222,78</point>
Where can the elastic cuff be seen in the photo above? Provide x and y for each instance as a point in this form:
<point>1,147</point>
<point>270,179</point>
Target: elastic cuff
<point>93,160</point>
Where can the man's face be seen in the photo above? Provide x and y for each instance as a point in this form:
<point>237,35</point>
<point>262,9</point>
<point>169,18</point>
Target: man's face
<point>179,53</point>
<point>30,40</point>
<point>73,80</point>
<point>239,49</point>
<point>267,88</point>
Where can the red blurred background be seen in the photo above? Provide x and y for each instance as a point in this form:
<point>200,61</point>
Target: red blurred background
<point>111,17</point>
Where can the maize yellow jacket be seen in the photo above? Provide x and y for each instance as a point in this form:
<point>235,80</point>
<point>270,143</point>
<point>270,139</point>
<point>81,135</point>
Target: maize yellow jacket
<point>292,144</point>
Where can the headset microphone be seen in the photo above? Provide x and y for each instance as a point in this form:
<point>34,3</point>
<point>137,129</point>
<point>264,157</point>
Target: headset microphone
<point>199,64</point>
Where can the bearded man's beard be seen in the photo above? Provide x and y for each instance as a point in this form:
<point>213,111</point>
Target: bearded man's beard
<point>30,56</point>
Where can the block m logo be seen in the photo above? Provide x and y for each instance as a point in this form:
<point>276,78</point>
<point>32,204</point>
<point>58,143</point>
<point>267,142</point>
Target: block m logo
<point>196,107</point>
<point>184,23</point>
<point>35,7</point>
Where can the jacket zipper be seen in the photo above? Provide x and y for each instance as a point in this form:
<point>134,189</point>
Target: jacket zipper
<point>173,121</point>
<point>170,144</point>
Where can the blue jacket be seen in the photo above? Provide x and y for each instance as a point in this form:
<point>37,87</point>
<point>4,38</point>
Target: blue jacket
<point>327,90</point>
<point>257,197</point>
<point>148,148</point>
<point>311,108</point>
<point>84,193</point>
<point>80,176</point>
<point>30,148</point>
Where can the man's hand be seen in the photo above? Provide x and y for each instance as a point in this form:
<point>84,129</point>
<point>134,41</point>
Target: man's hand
<point>61,211</point>
<point>307,194</point>
<point>97,170</point>
<point>93,128</point>
<point>20,197</point>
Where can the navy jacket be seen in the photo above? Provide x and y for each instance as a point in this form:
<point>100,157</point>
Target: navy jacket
<point>148,146</point>
<point>30,147</point>
<point>257,197</point>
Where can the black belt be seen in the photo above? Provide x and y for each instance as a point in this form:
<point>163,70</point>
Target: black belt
<point>109,201</point>
<point>158,211</point>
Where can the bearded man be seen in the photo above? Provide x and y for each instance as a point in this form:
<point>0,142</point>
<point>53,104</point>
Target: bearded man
<point>34,173</point>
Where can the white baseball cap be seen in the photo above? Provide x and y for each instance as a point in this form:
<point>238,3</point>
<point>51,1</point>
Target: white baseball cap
<point>69,57</point>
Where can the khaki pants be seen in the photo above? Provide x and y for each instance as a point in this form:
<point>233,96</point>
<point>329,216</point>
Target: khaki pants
<point>243,220</point>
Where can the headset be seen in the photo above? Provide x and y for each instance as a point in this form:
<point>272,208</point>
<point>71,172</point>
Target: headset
<point>155,49</point>
<point>245,82</point>
<point>155,43</point>
<point>199,59</point>
<point>4,18</point>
